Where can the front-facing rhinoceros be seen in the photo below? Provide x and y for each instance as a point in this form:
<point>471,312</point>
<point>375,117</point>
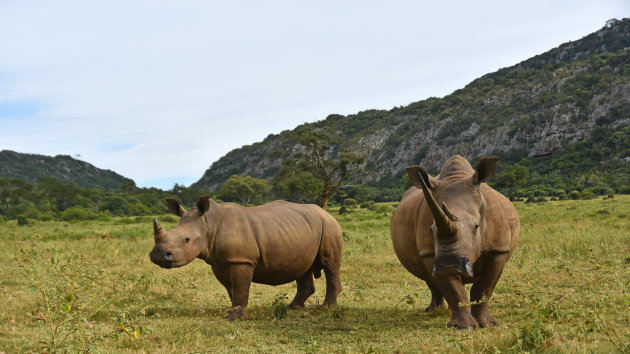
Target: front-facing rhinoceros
<point>454,229</point>
<point>274,244</point>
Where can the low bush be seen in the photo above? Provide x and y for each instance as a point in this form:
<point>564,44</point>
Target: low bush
<point>349,202</point>
<point>78,213</point>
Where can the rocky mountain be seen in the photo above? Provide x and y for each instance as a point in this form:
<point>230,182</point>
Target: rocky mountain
<point>543,107</point>
<point>64,168</point>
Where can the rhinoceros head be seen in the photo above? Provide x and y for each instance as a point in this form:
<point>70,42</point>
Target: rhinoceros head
<point>178,247</point>
<point>458,210</point>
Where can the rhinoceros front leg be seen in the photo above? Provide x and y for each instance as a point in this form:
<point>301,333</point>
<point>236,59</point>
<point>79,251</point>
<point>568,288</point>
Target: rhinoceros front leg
<point>487,272</point>
<point>453,290</point>
<point>240,279</point>
<point>437,300</point>
<point>305,288</point>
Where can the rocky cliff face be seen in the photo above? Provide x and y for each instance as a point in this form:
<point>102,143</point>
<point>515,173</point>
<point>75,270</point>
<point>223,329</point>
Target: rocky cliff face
<point>535,108</point>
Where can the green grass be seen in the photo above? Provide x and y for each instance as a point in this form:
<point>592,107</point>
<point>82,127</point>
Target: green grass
<point>566,289</point>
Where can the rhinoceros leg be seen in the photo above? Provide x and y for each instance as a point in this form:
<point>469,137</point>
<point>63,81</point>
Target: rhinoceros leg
<point>333,285</point>
<point>240,279</point>
<point>455,293</point>
<point>330,261</point>
<point>489,268</point>
<point>224,278</point>
<point>305,288</point>
<point>437,300</point>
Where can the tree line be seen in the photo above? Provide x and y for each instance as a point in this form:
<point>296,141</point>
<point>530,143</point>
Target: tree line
<point>318,169</point>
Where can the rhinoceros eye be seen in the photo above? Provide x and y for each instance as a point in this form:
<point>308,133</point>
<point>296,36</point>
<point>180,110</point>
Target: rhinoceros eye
<point>187,239</point>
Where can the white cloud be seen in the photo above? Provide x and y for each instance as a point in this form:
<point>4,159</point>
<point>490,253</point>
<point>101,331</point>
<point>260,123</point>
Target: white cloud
<point>157,91</point>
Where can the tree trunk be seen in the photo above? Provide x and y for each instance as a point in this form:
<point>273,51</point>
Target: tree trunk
<point>322,201</point>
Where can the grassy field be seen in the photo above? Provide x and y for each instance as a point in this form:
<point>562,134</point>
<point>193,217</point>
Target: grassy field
<point>89,286</point>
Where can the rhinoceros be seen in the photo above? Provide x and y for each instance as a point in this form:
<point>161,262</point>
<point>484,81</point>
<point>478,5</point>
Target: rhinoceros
<point>454,229</point>
<point>273,244</point>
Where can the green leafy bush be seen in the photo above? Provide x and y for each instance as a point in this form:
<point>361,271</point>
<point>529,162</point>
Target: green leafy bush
<point>349,202</point>
<point>587,194</point>
<point>278,309</point>
<point>78,213</point>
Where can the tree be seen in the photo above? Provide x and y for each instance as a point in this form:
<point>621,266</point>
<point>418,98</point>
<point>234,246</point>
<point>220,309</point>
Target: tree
<point>186,195</point>
<point>513,177</point>
<point>322,156</point>
<point>296,185</point>
<point>244,189</point>
<point>14,191</point>
<point>61,196</point>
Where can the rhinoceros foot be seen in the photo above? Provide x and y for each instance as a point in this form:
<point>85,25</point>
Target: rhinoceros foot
<point>483,317</point>
<point>434,306</point>
<point>237,313</point>
<point>462,320</point>
<point>295,306</point>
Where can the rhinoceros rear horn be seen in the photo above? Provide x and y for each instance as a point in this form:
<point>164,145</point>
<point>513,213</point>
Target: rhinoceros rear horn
<point>156,227</point>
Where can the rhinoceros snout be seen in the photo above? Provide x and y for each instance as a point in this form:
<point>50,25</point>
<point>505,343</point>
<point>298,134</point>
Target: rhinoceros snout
<point>162,258</point>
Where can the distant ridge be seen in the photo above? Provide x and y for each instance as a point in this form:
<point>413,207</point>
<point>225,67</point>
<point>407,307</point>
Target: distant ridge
<point>62,167</point>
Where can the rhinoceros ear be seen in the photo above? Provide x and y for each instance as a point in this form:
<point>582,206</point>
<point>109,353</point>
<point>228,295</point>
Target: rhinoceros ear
<point>174,207</point>
<point>485,169</point>
<point>416,172</point>
<point>203,204</point>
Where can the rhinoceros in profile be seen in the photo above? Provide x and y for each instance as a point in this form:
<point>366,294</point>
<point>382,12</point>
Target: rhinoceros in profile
<point>454,229</point>
<point>273,244</point>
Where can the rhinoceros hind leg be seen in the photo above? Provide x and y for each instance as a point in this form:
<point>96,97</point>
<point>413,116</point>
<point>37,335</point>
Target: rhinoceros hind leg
<point>305,288</point>
<point>333,286</point>
<point>240,279</point>
<point>437,300</point>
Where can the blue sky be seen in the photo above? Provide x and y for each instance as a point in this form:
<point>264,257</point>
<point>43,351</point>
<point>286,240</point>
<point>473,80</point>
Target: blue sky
<point>157,91</point>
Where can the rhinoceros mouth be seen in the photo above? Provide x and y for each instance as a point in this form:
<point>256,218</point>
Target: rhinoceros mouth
<point>451,265</point>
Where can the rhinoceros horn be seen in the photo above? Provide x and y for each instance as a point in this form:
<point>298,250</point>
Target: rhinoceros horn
<point>156,227</point>
<point>442,216</point>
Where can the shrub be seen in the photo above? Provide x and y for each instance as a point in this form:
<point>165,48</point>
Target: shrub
<point>574,195</point>
<point>383,208</point>
<point>22,220</point>
<point>45,217</point>
<point>78,213</point>
<point>343,210</point>
<point>349,202</point>
<point>367,205</point>
<point>587,194</point>
<point>68,297</point>
<point>279,309</point>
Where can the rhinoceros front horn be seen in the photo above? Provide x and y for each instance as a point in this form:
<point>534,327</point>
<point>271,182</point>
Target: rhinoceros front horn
<point>156,227</point>
<point>442,216</point>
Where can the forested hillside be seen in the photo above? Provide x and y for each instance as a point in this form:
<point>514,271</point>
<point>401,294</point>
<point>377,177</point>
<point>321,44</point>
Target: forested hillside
<point>563,117</point>
<point>64,168</point>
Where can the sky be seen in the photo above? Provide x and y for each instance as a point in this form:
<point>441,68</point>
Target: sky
<point>158,90</point>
